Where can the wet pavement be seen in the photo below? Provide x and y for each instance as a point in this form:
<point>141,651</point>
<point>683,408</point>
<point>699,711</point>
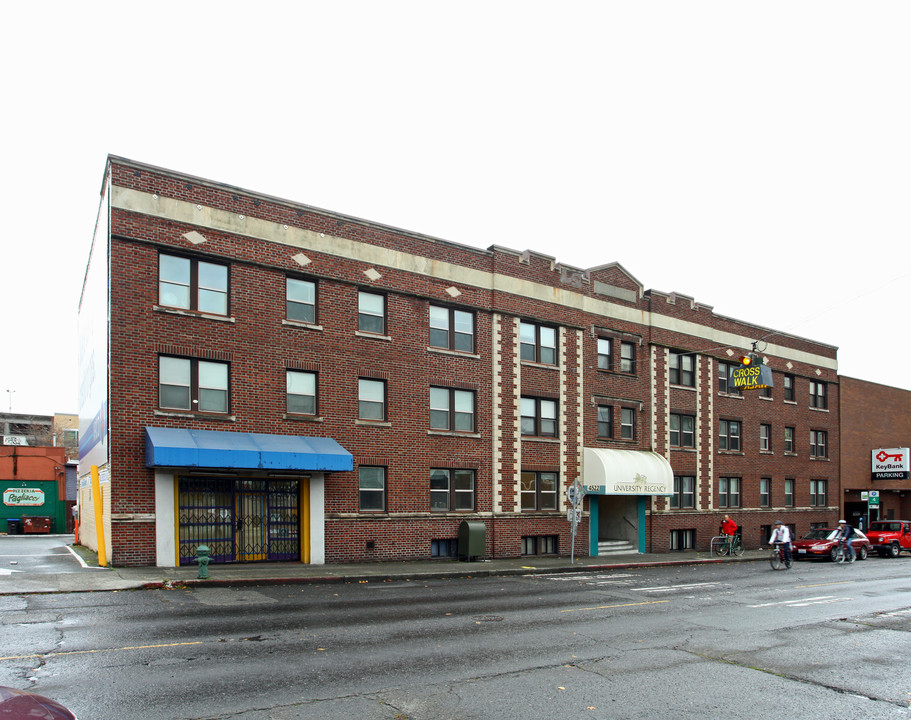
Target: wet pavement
<point>51,563</point>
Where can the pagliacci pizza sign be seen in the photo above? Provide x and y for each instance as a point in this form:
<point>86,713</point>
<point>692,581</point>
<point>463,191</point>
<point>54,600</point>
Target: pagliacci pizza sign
<point>891,464</point>
<point>23,497</point>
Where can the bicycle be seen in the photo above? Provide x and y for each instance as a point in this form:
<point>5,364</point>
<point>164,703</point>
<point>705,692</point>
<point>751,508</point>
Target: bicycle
<point>840,555</point>
<point>777,559</point>
<point>727,545</point>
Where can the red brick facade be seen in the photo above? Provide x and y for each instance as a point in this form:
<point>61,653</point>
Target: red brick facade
<point>873,416</point>
<point>264,240</point>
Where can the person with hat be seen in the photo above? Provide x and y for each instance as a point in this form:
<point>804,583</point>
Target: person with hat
<point>782,536</point>
<point>843,536</point>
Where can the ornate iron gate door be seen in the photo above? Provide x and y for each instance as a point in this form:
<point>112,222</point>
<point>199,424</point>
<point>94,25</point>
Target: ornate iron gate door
<point>241,520</point>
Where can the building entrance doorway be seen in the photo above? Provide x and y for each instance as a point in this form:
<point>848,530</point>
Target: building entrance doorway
<point>618,523</point>
<point>240,519</point>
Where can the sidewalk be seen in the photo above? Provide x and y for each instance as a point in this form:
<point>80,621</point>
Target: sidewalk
<point>93,578</point>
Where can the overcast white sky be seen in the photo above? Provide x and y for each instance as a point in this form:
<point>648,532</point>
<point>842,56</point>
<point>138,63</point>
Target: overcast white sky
<point>755,156</point>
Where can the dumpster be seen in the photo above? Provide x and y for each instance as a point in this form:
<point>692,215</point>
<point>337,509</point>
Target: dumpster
<point>13,526</point>
<point>36,525</point>
<point>472,539</point>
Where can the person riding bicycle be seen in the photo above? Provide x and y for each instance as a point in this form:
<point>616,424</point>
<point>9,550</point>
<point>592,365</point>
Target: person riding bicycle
<point>782,536</point>
<point>843,536</point>
<point>728,527</point>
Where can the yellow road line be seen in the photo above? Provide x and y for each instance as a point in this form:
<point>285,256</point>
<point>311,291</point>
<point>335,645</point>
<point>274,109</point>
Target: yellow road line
<point>605,607</point>
<point>86,652</point>
<point>840,582</point>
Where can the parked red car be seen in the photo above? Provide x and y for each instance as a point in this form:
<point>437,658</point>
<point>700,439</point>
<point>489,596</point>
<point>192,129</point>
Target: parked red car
<point>821,543</point>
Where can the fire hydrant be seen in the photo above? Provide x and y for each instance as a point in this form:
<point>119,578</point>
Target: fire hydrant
<point>203,559</point>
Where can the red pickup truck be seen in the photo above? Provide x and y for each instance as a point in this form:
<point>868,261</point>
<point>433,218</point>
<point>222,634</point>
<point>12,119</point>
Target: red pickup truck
<point>890,537</point>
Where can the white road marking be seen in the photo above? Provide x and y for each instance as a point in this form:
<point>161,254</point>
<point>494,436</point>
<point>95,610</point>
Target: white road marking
<point>804,602</point>
<point>4,571</point>
<point>671,588</point>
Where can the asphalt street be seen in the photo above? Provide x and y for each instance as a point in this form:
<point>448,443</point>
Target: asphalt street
<point>680,641</point>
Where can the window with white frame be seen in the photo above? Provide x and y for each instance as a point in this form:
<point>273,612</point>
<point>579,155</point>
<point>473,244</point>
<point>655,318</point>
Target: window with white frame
<point>789,439</point>
<point>372,488</point>
<point>604,354</point>
<point>628,358</point>
<point>300,392</point>
<point>789,492</point>
<point>765,437</point>
<point>765,492</point>
<point>300,300</point>
<point>628,423</point>
<point>605,421</point>
<point>819,493</point>
<point>371,399</point>
<point>371,312</point>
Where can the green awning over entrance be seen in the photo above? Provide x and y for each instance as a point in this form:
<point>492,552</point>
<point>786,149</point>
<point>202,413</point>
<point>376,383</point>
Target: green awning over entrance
<point>626,472</point>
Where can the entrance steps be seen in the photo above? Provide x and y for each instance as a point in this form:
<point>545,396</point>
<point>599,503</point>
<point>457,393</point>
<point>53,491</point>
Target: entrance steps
<point>616,547</point>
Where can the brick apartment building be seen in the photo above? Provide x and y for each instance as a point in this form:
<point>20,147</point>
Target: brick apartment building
<point>874,418</point>
<point>281,382</point>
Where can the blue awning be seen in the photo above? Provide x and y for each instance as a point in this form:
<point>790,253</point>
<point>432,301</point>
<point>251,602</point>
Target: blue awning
<point>176,447</point>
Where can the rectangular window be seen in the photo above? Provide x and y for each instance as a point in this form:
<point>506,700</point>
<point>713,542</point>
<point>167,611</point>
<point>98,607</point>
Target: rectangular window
<point>628,357</point>
<point>371,399</point>
<point>818,393</point>
<point>684,492</point>
<point>539,544</point>
<point>683,430</point>
<point>818,493</point>
<point>538,343</point>
<point>818,442</point>
<point>539,417</point>
<point>789,439</point>
<point>682,369</point>
<point>451,329</point>
<point>191,284</point>
<point>300,300</point>
<point>605,421</point>
<point>728,492</point>
<point>682,540</point>
<point>451,409</point>
<point>729,435</point>
<point>372,488</point>
<point>627,423</point>
<point>539,491</point>
<point>604,354</point>
<point>192,385</point>
<point>789,492</point>
<point>724,375</point>
<point>301,392</point>
<point>451,490</point>
<point>371,313</point>
<point>765,437</point>
<point>788,382</point>
<point>765,492</point>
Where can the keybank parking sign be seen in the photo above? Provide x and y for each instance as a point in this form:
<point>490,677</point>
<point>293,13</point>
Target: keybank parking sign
<point>891,464</point>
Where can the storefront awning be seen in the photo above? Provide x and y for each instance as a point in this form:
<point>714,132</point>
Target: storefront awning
<point>175,447</point>
<point>626,472</point>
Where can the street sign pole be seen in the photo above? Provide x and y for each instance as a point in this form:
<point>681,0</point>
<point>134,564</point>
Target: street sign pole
<point>574,493</point>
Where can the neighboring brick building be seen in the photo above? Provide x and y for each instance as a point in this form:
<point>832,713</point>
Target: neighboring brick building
<point>291,383</point>
<point>873,417</point>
